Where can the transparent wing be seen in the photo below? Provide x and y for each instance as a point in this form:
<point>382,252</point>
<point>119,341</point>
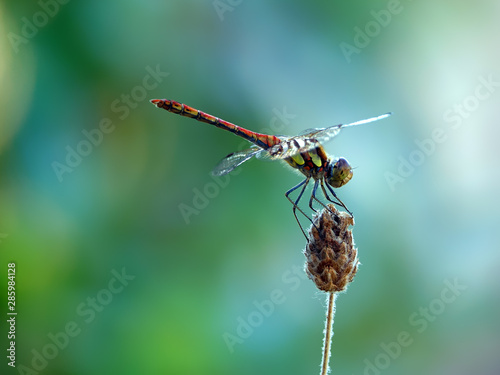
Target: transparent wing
<point>309,130</point>
<point>326,134</point>
<point>291,146</point>
<point>235,159</point>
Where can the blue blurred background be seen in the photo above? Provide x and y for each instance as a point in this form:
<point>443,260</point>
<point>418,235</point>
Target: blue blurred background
<point>132,259</point>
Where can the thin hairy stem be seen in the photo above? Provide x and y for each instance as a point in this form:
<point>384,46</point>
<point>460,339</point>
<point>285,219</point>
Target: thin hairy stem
<point>328,333</point>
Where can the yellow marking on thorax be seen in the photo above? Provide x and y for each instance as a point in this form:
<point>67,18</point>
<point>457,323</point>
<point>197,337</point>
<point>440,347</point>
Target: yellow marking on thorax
<point>315,158</point>
<point>298,159</point>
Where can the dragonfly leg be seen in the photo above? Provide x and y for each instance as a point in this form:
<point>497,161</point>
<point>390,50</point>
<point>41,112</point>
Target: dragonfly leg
<point>313,196</point>
<point>295,207</point>
<point>338,201</point>
<point>328,197</point>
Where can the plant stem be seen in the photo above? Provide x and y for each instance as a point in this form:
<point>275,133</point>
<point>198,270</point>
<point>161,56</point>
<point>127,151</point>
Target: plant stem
<point>328,332</point>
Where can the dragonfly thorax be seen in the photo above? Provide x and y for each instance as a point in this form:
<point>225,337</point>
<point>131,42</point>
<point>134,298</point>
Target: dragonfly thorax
<point>316,164</point>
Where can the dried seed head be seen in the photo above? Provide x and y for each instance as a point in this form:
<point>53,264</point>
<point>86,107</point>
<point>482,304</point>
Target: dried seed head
<point>332,259</point>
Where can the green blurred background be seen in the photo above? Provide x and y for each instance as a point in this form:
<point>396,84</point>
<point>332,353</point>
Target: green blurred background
<point>190,280</point>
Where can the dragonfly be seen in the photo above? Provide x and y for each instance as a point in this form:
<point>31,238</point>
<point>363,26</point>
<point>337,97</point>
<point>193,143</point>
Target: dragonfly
<point>304,152</point>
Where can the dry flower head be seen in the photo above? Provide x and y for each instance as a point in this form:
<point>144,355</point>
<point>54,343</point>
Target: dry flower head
<point>332,259</point>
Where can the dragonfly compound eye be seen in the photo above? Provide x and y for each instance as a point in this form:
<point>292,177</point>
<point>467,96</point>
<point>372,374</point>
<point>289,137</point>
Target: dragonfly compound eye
<point>340,173</point>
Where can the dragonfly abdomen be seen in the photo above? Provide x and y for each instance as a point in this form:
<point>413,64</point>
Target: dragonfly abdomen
<point>262,140</point>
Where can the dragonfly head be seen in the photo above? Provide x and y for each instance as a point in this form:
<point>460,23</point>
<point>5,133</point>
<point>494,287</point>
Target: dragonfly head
<point>339,173</point>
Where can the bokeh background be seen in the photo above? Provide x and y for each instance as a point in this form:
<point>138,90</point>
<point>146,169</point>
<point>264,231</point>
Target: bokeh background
<point>198,256</point>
